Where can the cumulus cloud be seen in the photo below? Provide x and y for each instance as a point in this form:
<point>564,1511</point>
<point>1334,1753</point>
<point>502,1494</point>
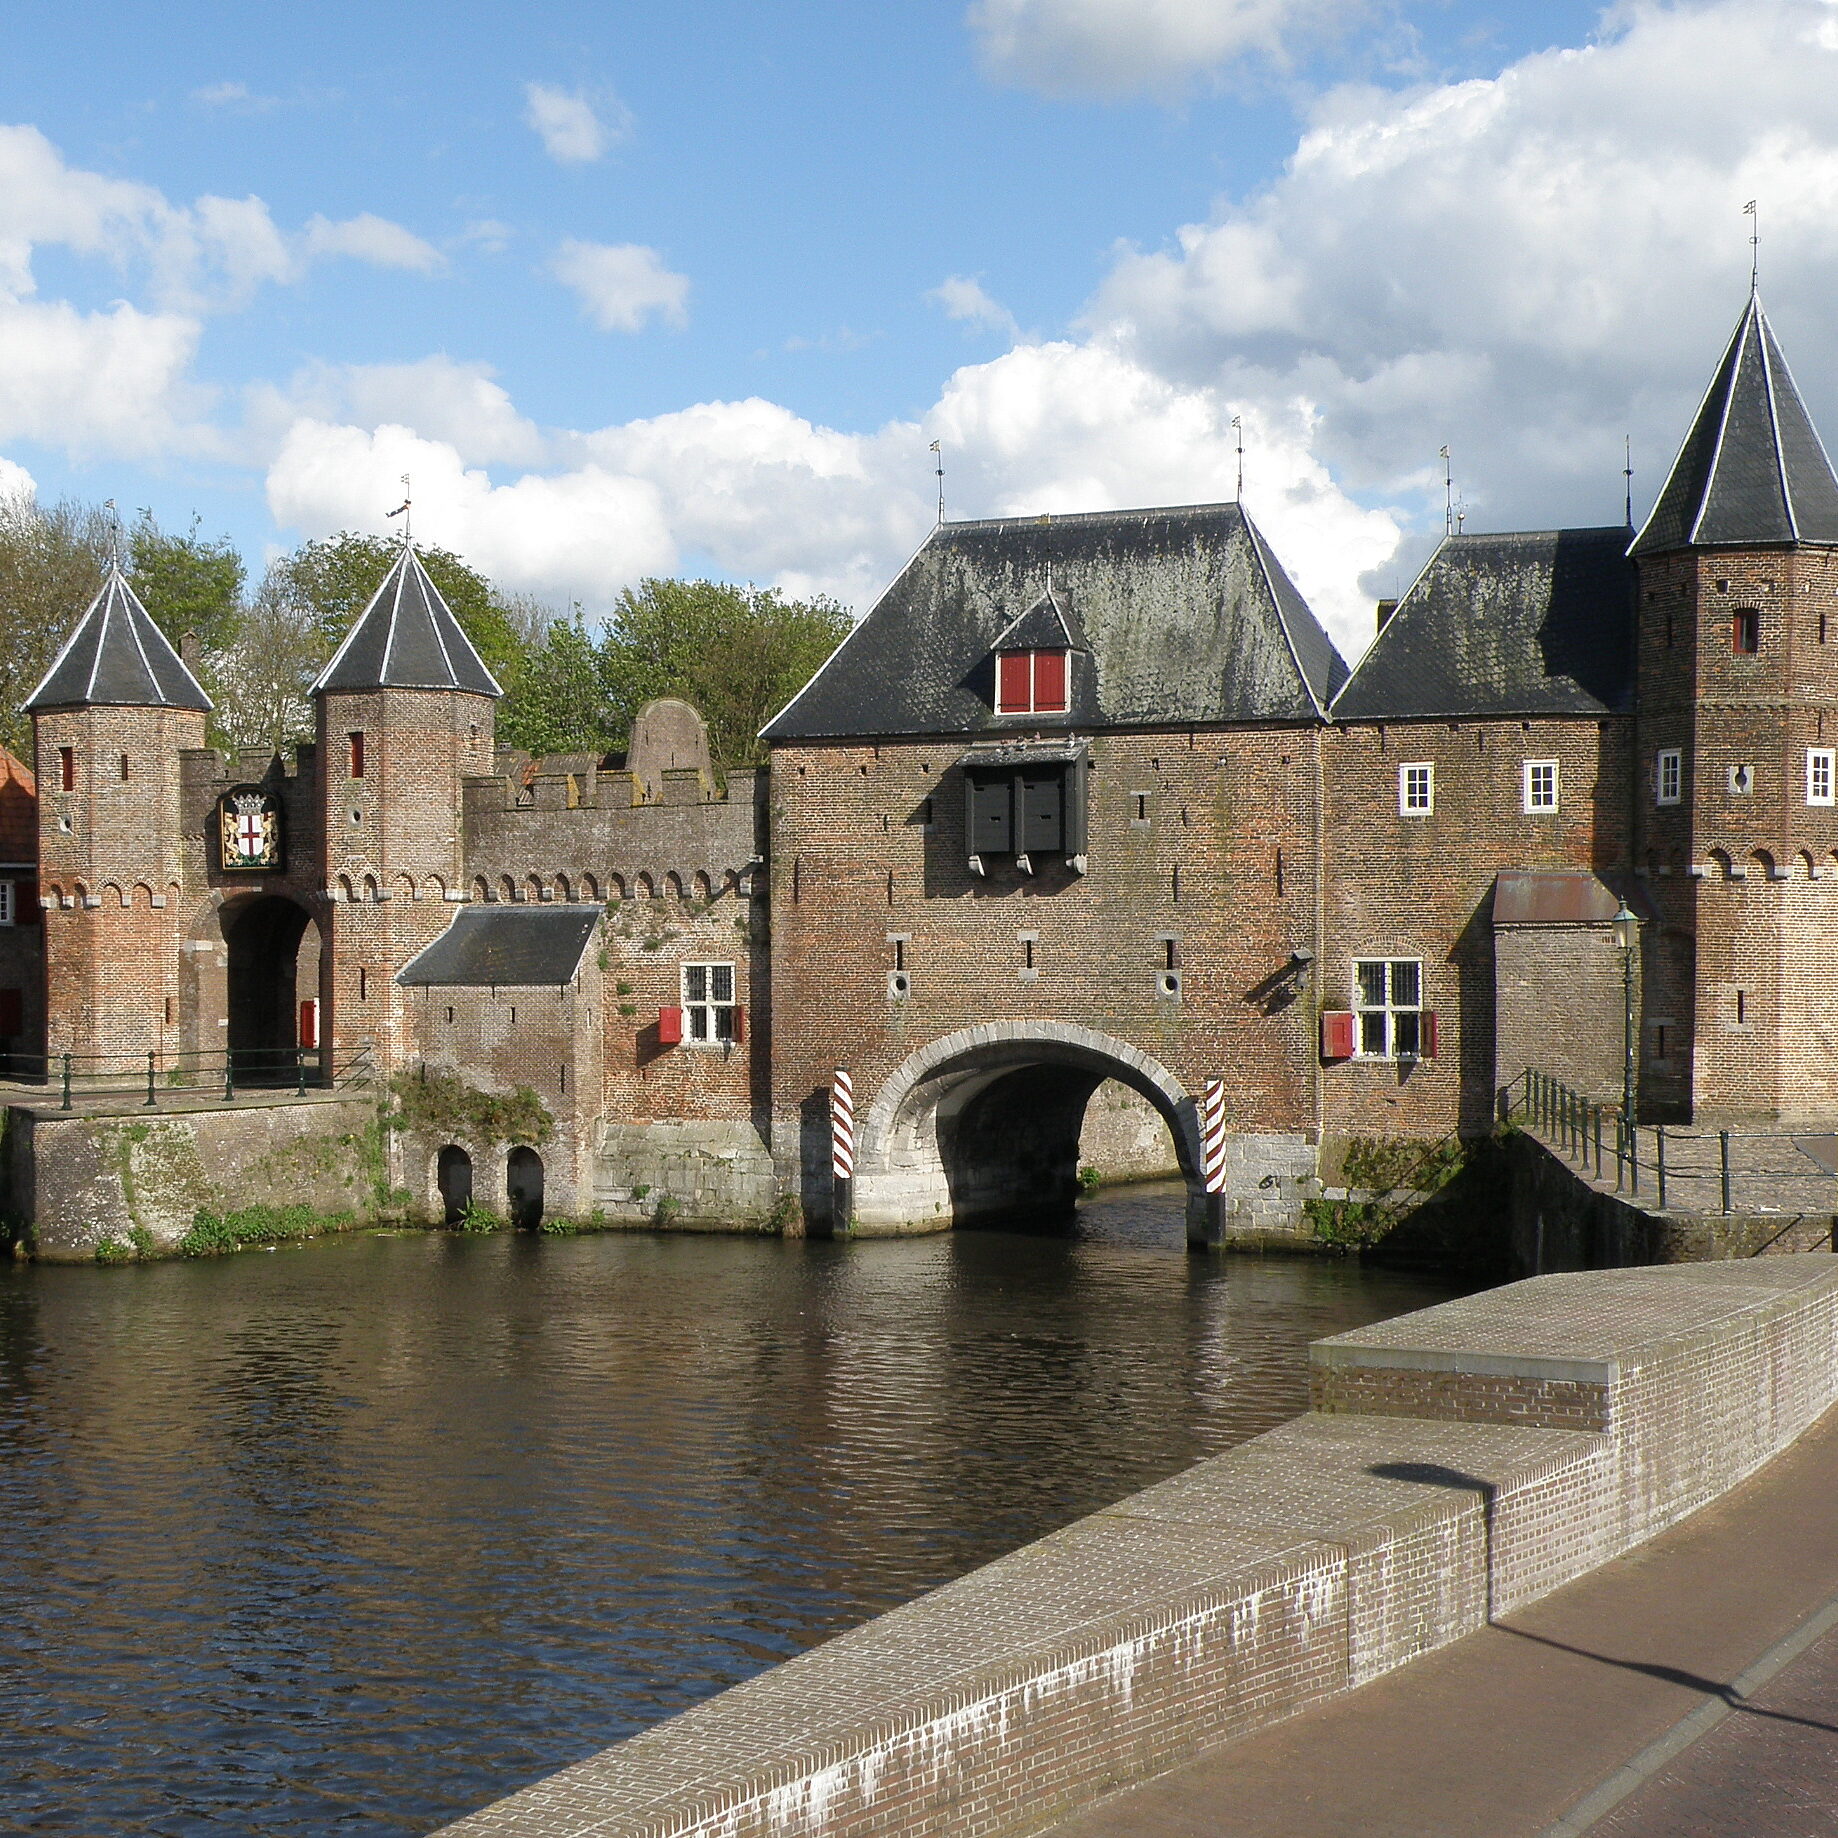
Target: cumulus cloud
<point>572,130</point>
<point>368,238</point>
<point>962,298</point>
<point>622,286</point>
<point>15,481</point>
<point>1132,47</point>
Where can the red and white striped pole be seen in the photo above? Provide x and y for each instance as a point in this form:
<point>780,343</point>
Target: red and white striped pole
<point>1212,1161</point>
<point>842,1149</point>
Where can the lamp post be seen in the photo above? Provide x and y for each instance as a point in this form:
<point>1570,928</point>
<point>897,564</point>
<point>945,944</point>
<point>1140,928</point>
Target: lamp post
<point>1627,938</point>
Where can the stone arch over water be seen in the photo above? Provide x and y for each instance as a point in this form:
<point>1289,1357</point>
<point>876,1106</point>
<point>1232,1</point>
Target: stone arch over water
<point>984,1123</point>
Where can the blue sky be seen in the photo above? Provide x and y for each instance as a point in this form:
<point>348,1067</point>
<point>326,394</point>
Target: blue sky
<point>636,289</point>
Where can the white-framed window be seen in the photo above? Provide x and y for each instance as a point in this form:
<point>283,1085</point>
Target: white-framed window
<point>1819,774</point>
<point>1539,785</point>
<point>708,1002</point>
<point>1416,789</point>
<point>1668,775</point>
<point>9,908</point>
<point>1388,999</point>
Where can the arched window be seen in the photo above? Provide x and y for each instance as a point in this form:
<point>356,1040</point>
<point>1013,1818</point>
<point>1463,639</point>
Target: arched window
<point>673,885</point>
<point>507,888</point>
<point>523,1188</point>
<point>481,888</point>
<point>645,890</point>
<point>453,1178</point>
<point>590,888</point>
<point>563,891</point>
<point>704,890</point>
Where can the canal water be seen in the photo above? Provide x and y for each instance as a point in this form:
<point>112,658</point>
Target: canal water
<point>357,1535</point>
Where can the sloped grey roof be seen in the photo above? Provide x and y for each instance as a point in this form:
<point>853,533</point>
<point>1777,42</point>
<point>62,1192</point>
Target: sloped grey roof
<point>407,638</point>
<point>117,655</point>
<point>1752,469</point>
<point>1539,622</point>
<point>1045,626</point>
<point>1185,612</point>
<point>505,947</point>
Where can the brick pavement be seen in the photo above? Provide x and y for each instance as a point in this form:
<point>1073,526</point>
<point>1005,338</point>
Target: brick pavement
<point>1512,1732</point>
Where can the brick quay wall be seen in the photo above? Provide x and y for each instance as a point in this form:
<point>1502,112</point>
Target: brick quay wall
<point>1459,1463</point>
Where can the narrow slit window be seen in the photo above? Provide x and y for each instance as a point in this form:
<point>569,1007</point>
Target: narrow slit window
<point>355,743</point>
<point>1669,775</point>
<point>1745,631</point>
<point>67,768</point>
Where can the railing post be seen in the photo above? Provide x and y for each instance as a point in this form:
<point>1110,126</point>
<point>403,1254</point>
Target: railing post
<point>150,1097</point>
<point>1598,1142</point>
<point>229,1075</point>
<point>1659,1167</point>
<point>1633,1156</point>
<point>1723,1157</point>
<point>66,1081</point>
<point>299,1072</point>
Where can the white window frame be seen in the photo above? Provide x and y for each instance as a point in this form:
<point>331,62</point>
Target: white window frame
<point>1669,764</point>
<point>1531,789</point>
<point>9,902</point>
<point>1821,775</point>
<point>708,1016</point>
<point>1409,802</point>
<point>1387,1028</point>
<point>1032,705</point>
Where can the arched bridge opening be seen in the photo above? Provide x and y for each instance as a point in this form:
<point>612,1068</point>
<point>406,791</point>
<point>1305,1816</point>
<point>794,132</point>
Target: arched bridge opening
<point>984,1127</point>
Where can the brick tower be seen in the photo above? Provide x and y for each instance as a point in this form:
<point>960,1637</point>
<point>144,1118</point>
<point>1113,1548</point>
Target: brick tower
<point>405,712</point>
<point>1737,726</point>
<point>111,718</point>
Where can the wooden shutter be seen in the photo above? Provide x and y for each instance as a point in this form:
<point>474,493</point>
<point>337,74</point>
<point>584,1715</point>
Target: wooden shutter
<point>1014,685</point>
<point>991,813</point>
<point>1049,680</point>
<point>738,1023</point>
<point>1043,830</point>
<point>669,1026</point>
<point>309,1022</point>
<point>1337,1034</point>
<point>1426,1040</point>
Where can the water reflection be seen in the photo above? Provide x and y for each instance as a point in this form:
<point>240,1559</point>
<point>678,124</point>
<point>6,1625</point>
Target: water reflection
<point>364,1533</point>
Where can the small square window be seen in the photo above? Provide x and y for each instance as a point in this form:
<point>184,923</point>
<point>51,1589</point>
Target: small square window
<point>1540,785</point>
<point>708,1003</point>
<point>1819,774</point>
<point>1388,998</point>
<point>1416,789</point>
<point>1668,775</point>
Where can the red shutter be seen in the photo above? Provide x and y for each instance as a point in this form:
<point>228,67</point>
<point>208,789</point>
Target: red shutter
<point>1337,1034</point>
<point>12,1011</point>
<point>669,1026</point>
<point>1014,691</point>
<point>739,1024</point>
<point>1429,1033</point>
<point>1049,680</point>
<point>309,1022</point>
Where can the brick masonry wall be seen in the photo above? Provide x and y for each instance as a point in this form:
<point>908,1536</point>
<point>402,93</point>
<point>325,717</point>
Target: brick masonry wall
<point>1255,1584</point>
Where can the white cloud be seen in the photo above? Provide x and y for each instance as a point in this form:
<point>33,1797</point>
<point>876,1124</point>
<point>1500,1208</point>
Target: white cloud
<point>1132,47</point>
<point>621,285</point>
<point>15,481</point>
<point>237,97</point>
<point>962,298</point>
<point>573,132</point>
<point>367,238</point>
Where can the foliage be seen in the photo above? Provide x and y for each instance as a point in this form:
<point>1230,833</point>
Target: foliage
<point>475,1218</point>
<point>442,1104</point>
<point>1090,1180</point>
<point>113,1251</point>
<point>51,563</point>
<point>557,699</point>
<point>1396,1174</point>
<point>187,584</point>
<point>213,1233</point>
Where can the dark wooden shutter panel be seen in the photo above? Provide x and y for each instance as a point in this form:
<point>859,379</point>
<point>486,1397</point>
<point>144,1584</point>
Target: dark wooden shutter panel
<point>12,1011</point>
<point>1043,830</point>
<point>1337,1034</point>
<point>1049,680</point>
<point>991,813</point>
<point>1427,1041</point>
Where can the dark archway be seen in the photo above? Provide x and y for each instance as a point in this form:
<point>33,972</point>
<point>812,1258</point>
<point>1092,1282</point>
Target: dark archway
<point>453,1175</point>
<point>523,1188</point>
<point>268,949</point>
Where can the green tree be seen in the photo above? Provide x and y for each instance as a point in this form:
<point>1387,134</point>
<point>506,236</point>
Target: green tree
<point>557,702</point>
<point>187,584</point>
<point>738,653</point>
<point>51,563</point>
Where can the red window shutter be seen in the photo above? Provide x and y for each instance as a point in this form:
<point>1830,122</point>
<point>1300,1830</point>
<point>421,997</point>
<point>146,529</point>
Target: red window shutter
<point>309,1022</point>
<point>1337,1034</point>
<point>1049,680</point>
<point>12,1011</point>
<point>1014,689</point>
<point>669,1026</point>
<point>1429,1033</point>
<point>740,1024</point>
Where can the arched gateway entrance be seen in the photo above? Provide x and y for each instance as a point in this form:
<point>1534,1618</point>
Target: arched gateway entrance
<point>272,965</point>
<point>985,1123</point>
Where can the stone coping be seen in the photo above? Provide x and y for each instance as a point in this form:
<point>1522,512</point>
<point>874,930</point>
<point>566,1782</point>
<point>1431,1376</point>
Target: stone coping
<point>1586,1326</point>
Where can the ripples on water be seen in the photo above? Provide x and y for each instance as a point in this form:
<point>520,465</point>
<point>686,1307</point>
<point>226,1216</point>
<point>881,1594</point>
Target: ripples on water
<point>364,1533</point>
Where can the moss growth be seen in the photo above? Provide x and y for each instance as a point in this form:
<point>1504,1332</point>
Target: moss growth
<point>113,1251</point>
<point>213,1233</point>
<point>443,1105</point>
<point>1090,1180</point>
<point>1395,1174</point>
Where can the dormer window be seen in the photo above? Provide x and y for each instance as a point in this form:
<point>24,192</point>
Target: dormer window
<point>1031,682</point>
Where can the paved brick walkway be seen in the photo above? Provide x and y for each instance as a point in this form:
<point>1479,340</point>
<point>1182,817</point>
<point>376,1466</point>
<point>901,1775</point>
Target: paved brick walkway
<point>1606,1708</point>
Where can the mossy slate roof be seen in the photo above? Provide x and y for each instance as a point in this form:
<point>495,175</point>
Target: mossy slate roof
<point>1538,622</point>
<point>117,656</point>
<point>1182,616</point>
<point>407,638</point>
<point>505,947</point>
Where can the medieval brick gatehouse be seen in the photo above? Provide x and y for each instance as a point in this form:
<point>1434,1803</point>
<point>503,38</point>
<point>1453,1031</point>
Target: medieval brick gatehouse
<point>1081,800</point>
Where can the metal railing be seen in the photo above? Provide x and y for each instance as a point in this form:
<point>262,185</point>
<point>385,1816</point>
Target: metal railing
<point>1680,1168</point>
<point>160,1074</point>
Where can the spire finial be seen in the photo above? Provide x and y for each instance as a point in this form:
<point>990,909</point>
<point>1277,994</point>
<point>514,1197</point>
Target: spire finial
<point>406,511</point>
<point>1448,491</point>
<point>1750,211</point>
<point>937,447</point>
<point>1627,474</point>
<point>1238,429</point>
<point>115,545</point>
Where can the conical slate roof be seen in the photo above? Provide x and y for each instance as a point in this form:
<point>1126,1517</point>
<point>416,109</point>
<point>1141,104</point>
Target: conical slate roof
<point>1752,469</point>
<point>118,656</point>
<point>407,638</point>
<point>1184,613</point>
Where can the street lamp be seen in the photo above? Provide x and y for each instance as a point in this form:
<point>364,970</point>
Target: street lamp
<point>1627,936</point>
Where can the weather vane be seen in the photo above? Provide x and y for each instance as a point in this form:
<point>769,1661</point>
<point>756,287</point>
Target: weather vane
<point>1754,216</point>
<point>1238,429</point>
<point>1448,491</point>
<point>938,449</point>
<point>405,510</point>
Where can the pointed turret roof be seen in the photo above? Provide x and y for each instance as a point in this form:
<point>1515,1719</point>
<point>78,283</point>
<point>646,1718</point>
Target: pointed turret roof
<point>118,656</point>
<point>407,638</point>
<point>1752,469</point>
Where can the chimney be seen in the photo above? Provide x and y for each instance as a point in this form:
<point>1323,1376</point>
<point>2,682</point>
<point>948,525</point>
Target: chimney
<point>191,653</point>
<point>1385,609</point>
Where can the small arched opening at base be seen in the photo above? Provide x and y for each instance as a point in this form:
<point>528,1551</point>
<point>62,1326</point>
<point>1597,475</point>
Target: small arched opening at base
<point>453,1176</point>
<point>523,1188</point>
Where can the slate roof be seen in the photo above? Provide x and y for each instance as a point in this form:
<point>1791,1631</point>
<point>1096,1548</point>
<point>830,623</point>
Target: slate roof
<point>1752,469</point>
<point>1184,613</point>
<point>505,947</point>
<point>1047,625</point>
<point>117,655</point>
<point>1539,622</point>
<point>407,638</point>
